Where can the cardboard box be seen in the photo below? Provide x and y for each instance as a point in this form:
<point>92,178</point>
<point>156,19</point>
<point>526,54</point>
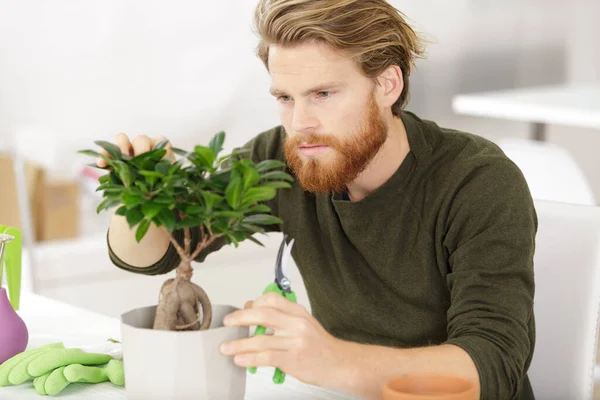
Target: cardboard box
<point>10,213</point>
<point>53,204</point>
<point>58,210</point>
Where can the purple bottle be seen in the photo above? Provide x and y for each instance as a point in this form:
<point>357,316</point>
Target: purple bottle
<point>14,335</point>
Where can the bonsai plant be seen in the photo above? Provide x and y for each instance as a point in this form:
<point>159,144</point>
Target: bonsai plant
<point>221,196</point>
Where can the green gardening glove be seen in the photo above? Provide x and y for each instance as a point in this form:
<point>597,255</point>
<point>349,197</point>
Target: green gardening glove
<point>55,367</point>
<point>19,363</point>
<point>53,382</point>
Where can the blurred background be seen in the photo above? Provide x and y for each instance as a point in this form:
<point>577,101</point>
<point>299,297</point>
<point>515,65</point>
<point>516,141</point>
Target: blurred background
<point>72,72</point>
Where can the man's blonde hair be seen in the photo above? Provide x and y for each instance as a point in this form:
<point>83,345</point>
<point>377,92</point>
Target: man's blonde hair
<point>372,32</point>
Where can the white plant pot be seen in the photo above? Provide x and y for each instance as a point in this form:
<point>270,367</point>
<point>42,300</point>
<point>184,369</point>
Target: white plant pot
<point>180,365</point>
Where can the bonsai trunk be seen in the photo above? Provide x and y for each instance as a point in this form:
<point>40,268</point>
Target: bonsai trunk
<point>178,306</point>
<point>180,301</point>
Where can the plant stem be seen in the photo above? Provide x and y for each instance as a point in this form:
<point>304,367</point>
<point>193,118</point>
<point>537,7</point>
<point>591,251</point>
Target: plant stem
<point>180,251</point>
<point>206,241</point>
<point>187,240</point>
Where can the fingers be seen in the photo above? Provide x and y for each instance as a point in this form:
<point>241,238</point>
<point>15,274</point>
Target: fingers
<point>259,343</point>
<point>278,302</point>
<point>141,144</point>
<point>100,162</point>
<point>124,144</point>
<point>248,304</point>
<point>270,358</point>
<point>170,155</point>
<point>122,140</point>
<point>270,318</point>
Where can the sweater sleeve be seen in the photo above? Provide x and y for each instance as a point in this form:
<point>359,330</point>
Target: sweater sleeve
<point>267,145</point>
<point>490,238</point>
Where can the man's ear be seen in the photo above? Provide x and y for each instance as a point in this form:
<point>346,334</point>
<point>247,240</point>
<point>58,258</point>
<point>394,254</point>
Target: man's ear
<point>391,85</point>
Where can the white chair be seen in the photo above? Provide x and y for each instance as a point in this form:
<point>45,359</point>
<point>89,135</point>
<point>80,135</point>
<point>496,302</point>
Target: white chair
<point>550,170</point>
<point>567,301</point>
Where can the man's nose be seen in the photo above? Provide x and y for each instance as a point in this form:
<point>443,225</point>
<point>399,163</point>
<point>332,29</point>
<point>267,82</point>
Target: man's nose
<point>303,120</point>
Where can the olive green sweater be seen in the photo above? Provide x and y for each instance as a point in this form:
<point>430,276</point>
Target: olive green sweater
<point>441,253</point>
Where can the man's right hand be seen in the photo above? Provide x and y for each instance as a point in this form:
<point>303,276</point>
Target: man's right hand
<point>121,237</point>
<point>140,144</point>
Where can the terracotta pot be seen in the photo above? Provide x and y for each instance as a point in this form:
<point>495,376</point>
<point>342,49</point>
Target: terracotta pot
<point>170,365</point>
<point>429,386</point>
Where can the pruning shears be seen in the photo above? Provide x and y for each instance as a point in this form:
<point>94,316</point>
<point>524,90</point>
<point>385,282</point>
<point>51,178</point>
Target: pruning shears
<point>282,286</point>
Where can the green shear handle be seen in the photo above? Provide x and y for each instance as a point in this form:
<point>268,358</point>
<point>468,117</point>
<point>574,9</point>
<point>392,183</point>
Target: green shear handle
<point>281,286</point>
<point>279,376</point>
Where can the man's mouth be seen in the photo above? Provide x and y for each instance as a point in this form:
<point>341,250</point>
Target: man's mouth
<point>312,149</point>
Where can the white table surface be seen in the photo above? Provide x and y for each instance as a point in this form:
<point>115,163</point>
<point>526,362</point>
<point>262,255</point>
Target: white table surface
<point>51,321</point>
<point>573,105</point>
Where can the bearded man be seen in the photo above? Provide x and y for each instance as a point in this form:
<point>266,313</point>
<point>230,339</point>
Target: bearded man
<point>415,242</point>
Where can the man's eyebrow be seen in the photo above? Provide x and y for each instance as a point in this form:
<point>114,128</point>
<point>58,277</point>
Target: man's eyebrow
<point>320,88</point>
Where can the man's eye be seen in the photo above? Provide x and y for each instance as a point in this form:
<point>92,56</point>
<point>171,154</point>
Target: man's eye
<point>285,99</point>
<point>324,95</point>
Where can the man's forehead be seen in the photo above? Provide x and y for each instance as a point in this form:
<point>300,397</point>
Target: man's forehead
<point>308,66</point>
<point>304,58</point>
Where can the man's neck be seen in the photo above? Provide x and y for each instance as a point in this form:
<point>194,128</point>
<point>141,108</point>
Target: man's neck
<point>384,164</point>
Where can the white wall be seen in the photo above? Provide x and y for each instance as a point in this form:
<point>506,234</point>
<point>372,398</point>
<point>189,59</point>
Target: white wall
<point>74,71</point>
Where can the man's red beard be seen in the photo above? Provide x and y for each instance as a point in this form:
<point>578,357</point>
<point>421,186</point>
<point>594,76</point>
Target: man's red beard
<point>352,154</point>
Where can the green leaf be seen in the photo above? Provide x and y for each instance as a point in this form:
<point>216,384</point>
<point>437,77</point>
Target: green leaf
<point>258,194</point>
<point>179,151</point>
<point>206,155</point>
<point>269,164</point>
<point>90,153</point>
<point>163,167</point>
<point>122,211</point>
<point>194,210</point>
<point>228,214</point>
<point>233,192</point>
<point>277,185</point>
<point>231,239</point>
<point>125,173</point>
<point>134,216</point>
<point>168,219</point>
<point>109,188</point>
<point>216,143</point>
<point>107,204</point>
<point>278,175</point>
<point>161,145</point>
<point>251,176</point>
<point>141,186</point>
<point>235,153</point>
<point>211,200</point>
<point>151,210</point>
<point>114,178</point>
<point>252,228</point>
<point>253,239</point>
<point>132,200</point>
<point>146,160</point>
<point>157,155</point>
<point>262,219</point>
<point>220,226</point>
<point>112,149</point>
<point>164,199</point>
<point>142,229</point>
<point>151,174</point>
<point>261,208</point>
<point>175,167</point>
<point>190,222</point>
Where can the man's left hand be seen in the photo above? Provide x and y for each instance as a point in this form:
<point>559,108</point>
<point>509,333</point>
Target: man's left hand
<point>299,345</point>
